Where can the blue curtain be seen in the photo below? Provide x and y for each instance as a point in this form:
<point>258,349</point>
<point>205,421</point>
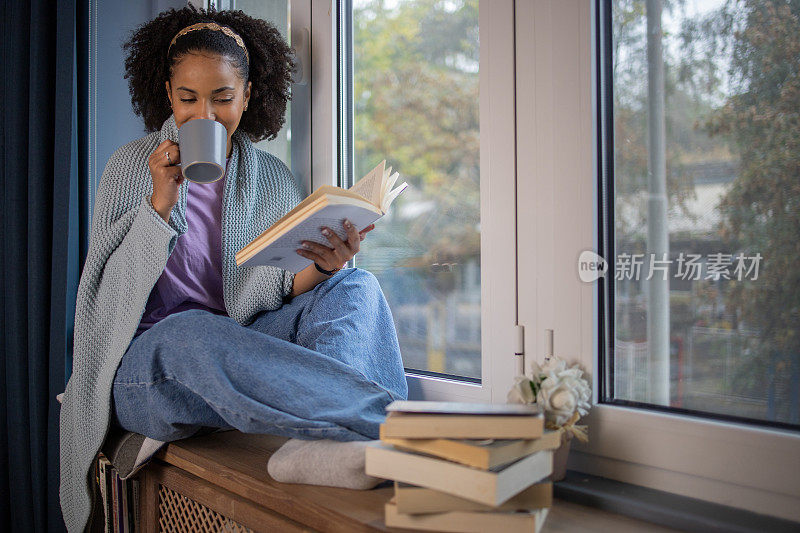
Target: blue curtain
<point>41,247</point>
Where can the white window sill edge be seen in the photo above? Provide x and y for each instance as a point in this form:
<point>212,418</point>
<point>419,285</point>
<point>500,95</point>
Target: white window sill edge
<point>757,469</point>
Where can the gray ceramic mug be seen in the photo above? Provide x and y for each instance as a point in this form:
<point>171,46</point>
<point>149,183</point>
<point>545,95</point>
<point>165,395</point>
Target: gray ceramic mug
<point>203,143</point>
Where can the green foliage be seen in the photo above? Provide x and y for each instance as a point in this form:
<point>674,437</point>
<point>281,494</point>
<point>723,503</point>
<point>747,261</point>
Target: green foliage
<point>762,209</point>
<point>416,104</point>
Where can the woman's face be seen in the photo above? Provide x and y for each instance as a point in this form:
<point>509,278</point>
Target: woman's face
<point>206,85</point>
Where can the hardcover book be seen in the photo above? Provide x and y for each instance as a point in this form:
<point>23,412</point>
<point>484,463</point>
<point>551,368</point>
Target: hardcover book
<point>115,484</point>
<point>478,453</point>
<point>462,408</point>
<point>461,420</point>
<point>425,426</point>
<point>136,514</point>
<point>411,499</point>
<point>125,509</point>
<point>105,492</point>
<point>467,522</point>
<point>489,487</point>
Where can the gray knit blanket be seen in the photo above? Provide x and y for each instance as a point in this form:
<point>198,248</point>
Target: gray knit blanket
<point>129,245</point>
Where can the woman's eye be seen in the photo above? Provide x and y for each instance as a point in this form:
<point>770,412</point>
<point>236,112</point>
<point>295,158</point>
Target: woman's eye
<point>219,101</point>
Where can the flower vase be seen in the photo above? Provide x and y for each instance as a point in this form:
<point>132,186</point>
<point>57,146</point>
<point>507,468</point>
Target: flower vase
<point>560,457</point>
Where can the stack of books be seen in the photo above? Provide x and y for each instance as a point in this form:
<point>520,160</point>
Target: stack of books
<point>464,466</point>
<point>120,498</point>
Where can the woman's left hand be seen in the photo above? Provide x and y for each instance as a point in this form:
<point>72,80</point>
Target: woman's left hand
<point>342,251</point>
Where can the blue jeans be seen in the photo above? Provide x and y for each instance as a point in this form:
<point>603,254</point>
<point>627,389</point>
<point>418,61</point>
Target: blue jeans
<point>323,366</point>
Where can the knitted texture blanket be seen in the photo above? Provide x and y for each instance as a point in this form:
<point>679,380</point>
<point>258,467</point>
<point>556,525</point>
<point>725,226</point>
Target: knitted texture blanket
<point>129,245</point>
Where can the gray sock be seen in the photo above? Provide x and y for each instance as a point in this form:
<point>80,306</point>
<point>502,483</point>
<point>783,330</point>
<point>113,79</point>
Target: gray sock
<point>322,462</point>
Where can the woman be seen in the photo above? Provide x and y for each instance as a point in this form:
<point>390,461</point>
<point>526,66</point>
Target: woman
<point>171,337</point>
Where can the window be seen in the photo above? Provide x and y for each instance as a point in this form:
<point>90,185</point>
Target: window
<point>416,82</point>
<point>563,68</point>
<point>279,13</point>
<point>415,103</point>
<point>705,209</point>
<point>291,145</point>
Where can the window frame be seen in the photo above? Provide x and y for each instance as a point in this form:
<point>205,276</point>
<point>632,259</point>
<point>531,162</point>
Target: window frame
<point>735,464</point>
<point>497,182</point>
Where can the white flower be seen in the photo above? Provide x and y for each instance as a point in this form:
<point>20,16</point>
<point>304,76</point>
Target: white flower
<point>521,392</point>
<point>561,391</point>
<point>554,364</point>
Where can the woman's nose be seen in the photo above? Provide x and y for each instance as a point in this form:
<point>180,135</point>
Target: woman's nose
<point>207,111</point>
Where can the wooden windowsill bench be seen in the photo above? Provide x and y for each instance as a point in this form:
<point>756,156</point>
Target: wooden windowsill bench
<point>219,482</point>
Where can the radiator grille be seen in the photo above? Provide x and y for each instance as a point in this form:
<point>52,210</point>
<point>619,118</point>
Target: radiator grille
<point>179,514</point>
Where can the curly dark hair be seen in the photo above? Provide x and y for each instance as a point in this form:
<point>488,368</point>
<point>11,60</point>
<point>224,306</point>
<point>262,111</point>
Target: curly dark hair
<point>270,69</point>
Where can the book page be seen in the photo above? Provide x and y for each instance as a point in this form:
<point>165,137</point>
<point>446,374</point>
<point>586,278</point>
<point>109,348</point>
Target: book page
<point>370,185</point>
<point>387,201</point>
<point>390,181</point>
<point>385,185</point>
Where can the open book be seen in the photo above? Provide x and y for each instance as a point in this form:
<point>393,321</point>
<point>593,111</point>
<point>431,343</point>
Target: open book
<point>362,204</point>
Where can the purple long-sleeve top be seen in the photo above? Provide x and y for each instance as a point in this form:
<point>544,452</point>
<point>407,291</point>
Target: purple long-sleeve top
<point>192,278</point>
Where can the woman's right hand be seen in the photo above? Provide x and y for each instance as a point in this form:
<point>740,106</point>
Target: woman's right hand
<point>167,177</point>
